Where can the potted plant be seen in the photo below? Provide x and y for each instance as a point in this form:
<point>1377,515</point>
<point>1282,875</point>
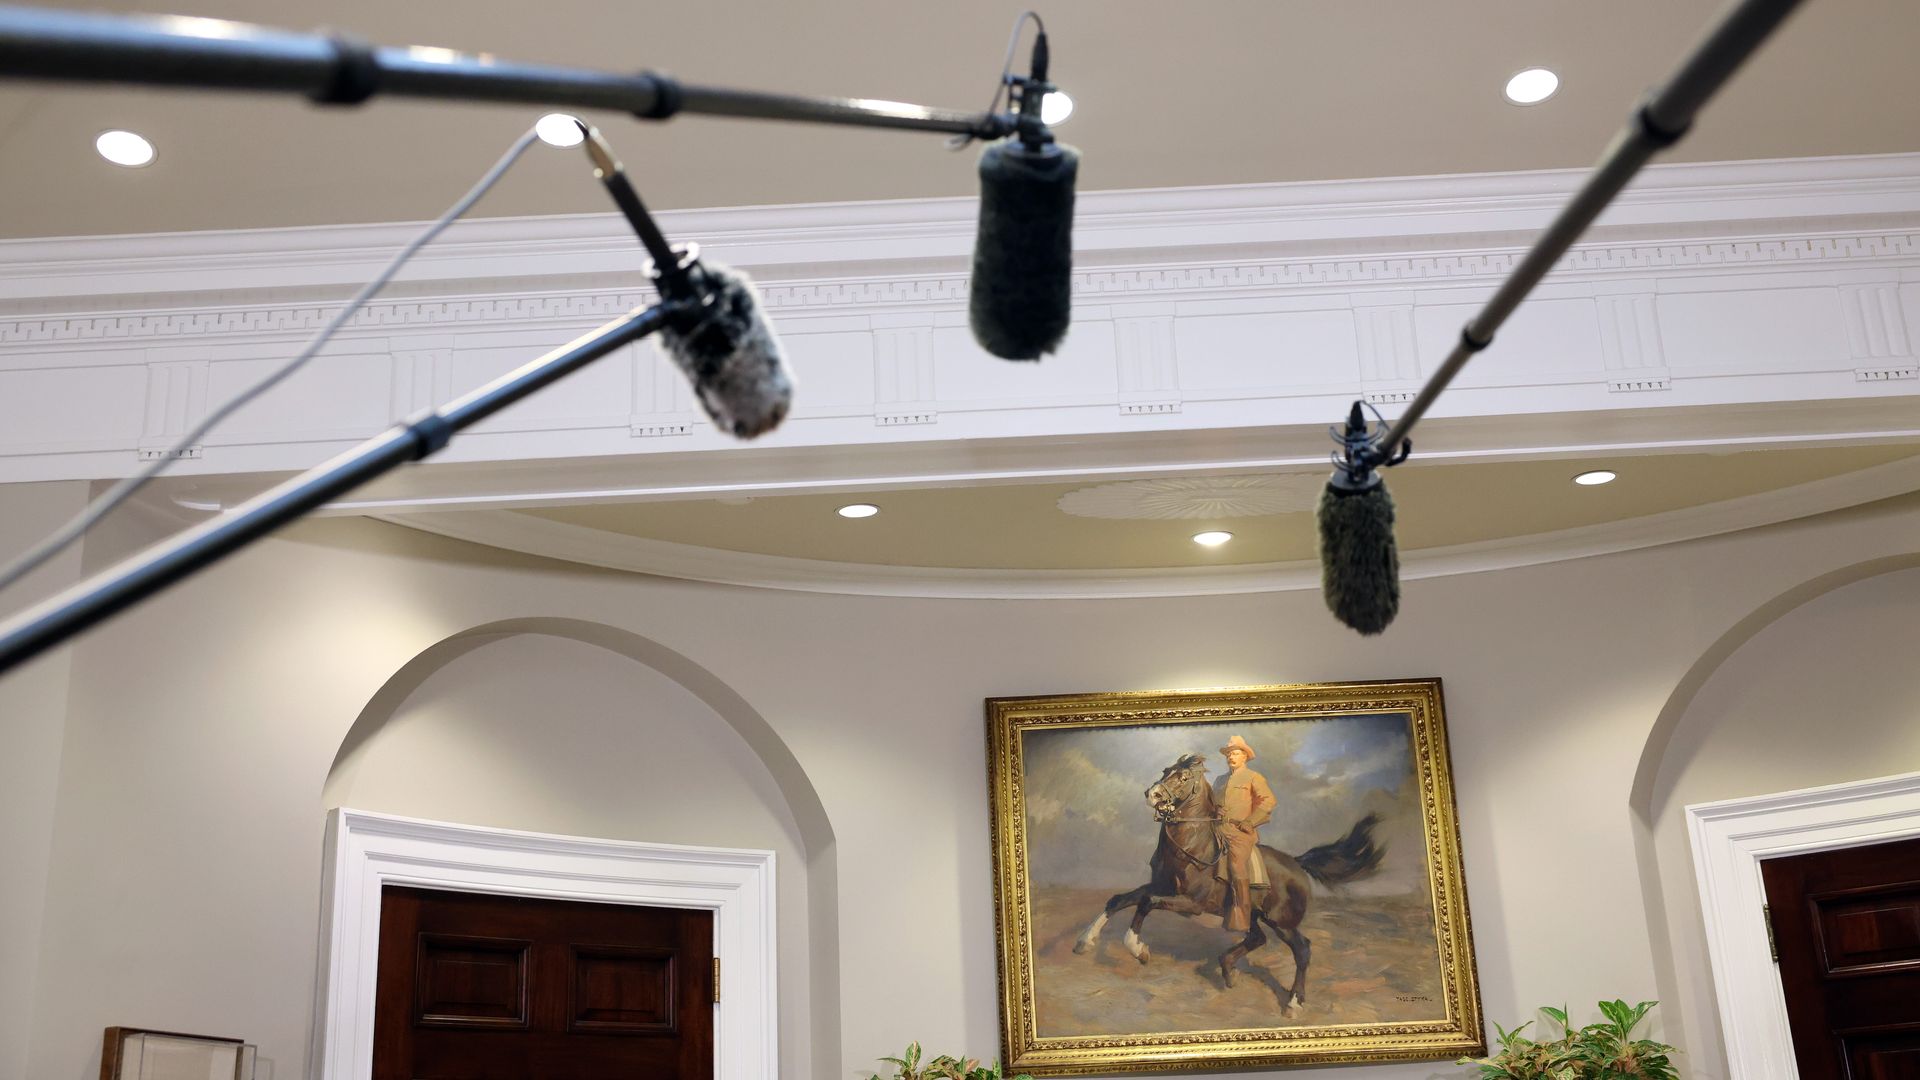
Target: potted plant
<point>1603,1051</point>
<point>908,1067</point>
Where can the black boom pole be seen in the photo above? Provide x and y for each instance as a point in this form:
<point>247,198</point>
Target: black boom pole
<point>214,54</point>
<point>60,617</point>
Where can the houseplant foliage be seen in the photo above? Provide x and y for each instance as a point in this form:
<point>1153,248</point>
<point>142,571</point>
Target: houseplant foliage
<point>1602,1051</point>
<point>908,1066</point>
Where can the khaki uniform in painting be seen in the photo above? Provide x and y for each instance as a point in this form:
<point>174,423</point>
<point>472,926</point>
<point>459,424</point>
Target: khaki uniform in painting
<point>1246,805</point>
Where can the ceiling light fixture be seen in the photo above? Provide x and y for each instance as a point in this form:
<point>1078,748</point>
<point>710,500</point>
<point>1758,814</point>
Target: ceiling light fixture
<point>1532,86</point>
<point>124,148</point>
<point>1212,539</point>
<point>1594,478</point>
<point>1055,108</point>
<point>858,510</point>
<point>559,129</point>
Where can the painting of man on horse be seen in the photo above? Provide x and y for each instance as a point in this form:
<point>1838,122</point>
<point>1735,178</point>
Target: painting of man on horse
<point>1216,843</point>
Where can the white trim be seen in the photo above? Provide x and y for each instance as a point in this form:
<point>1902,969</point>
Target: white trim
<point>1729,840</point>
<point>515,531</point>
<point>366,851</point>
<point>852,232</point>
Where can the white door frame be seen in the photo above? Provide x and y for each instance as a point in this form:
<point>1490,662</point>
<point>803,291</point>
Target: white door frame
<point>1729,840</point>
<point>368,851</point>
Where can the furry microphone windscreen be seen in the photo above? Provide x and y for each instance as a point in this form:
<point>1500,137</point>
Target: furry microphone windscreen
<point>1021,296</point>
<point>730,354</point>
<point>1359,564</point>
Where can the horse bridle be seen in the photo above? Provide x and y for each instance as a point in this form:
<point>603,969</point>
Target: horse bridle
<point>1216,819</point>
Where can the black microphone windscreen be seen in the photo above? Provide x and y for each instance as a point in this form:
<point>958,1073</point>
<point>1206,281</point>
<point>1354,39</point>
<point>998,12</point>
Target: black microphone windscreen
<point>730,354</point>
<point>1359,563</point>
<point>1021,296</point>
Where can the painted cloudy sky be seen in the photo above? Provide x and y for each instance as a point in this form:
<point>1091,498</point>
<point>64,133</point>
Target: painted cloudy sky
<point>1088,824</point>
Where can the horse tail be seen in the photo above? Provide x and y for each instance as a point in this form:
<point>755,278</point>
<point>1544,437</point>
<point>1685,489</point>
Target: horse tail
<point>1354,855</point>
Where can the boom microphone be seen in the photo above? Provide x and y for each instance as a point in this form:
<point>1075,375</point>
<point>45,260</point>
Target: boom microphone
<point>716,338</point>
<point>1020,299</point>
<point>1359,562</point>
<point>729,352</point>
<point>1359,566</point>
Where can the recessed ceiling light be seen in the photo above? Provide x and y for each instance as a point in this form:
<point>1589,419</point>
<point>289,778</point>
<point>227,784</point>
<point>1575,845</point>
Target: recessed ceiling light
<point>1532,86</point>
<point>1594,478</point>
<point>858,510</point>
<point>1055,108</point>
<point>124,148</point>
<point>558,129</point>
<point>1212,539</point>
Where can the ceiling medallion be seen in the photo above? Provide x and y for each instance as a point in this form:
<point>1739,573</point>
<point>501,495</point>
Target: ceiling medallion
<point>1198,497</point>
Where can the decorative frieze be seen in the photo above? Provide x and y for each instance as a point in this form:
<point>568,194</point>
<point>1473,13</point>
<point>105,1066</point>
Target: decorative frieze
<point>1202,309</point>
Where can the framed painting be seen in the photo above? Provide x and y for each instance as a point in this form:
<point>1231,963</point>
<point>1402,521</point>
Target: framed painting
<point>1236,878</point>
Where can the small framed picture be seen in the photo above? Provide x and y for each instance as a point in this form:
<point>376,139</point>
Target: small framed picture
<point>130,1053</point>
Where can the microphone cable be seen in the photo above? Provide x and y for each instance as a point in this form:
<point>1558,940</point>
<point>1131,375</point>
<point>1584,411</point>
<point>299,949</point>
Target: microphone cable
<point>961,142</point>
<point>120,492</point>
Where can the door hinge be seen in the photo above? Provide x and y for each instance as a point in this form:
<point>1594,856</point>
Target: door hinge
<point>1773,947</point>
<point>716,980</point>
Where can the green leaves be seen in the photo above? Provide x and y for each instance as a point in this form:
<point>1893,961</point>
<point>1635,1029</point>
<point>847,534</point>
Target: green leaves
<point>1602,1051</point>
<point>943,1067</point>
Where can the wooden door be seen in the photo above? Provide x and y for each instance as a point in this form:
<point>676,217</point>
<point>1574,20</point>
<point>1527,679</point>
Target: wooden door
<point>1847,927</point>
<point>479,987</point>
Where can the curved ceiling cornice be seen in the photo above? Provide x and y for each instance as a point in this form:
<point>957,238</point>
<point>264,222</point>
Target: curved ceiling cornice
<point>578,544</point>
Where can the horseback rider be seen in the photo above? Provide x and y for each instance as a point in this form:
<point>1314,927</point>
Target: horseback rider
<point>1246,805</point>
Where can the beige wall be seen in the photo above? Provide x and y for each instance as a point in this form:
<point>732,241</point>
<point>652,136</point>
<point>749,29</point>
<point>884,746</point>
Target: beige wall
<point>33,709</point>
<point>202,729</point>
<point>1823,695</point>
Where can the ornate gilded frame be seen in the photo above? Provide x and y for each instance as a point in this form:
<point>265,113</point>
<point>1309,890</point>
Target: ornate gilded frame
<point>1023,1050</point>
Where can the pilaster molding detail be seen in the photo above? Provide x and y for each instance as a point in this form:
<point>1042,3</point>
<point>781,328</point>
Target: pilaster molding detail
<point>1877,327</point>
<point>662,403</point>
<point>904,391</point>
<point>176,400</point>
<point>1387,347</point>
<point>1630,343</point>
<point>1146,360</point>
<point>422,378</point>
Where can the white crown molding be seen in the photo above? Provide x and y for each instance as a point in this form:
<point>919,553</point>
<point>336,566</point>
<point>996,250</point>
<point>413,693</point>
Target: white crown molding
<point>366,851</point>
<point>594,547</point>
<point>820,235</point>
<point>1730,838</point>
<point>1197,310</point>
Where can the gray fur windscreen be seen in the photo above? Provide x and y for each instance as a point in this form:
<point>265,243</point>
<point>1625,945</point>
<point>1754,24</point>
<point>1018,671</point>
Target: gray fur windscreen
<point>730,355</point>
<point>1020,299</point>
<point>1359,562</point>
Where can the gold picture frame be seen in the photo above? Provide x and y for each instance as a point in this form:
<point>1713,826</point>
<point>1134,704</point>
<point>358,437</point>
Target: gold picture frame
<point>1389,966</point>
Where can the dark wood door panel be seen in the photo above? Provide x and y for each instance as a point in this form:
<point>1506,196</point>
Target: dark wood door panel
<point>1882,1055</point>
<point>623,991</point>
<point>1869,930</point>
<point>1847,927</point>
<point>470,982</point>
<point>478,987</point>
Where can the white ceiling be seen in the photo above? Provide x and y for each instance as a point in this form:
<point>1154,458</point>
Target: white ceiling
<point>1230,91</point>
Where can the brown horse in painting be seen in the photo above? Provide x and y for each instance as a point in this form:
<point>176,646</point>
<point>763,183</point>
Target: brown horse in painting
<point>1185,882</point>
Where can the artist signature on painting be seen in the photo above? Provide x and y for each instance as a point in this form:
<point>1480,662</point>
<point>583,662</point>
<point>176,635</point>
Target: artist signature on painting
<point>1411,997</point>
